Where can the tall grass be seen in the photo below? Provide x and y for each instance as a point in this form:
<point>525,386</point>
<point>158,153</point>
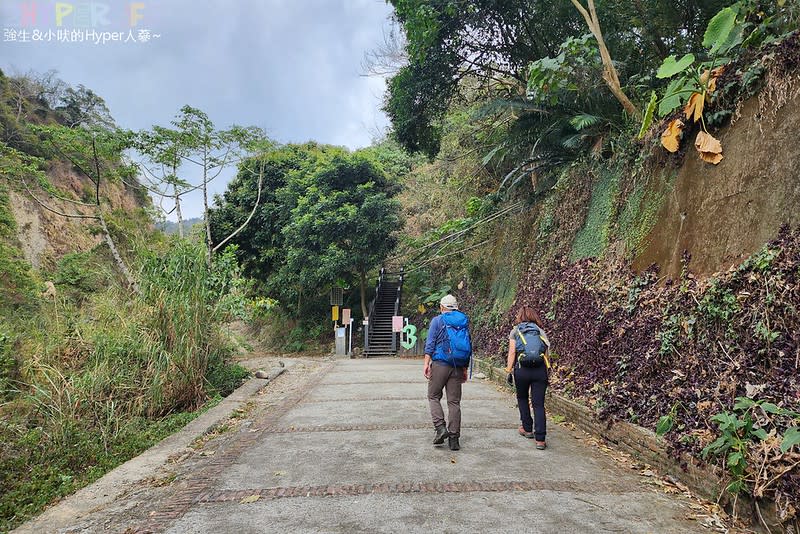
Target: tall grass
<point>106,374</point>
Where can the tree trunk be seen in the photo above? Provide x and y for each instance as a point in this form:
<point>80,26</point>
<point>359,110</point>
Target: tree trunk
<point>609,71</point>
<point>299,299</point>
<point>205,209</point>
<point>363,295</point>
<point>117,258</point>
<point>178,212</point>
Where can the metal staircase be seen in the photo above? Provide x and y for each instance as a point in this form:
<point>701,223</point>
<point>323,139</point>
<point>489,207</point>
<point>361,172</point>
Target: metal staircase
<point>379,340</point>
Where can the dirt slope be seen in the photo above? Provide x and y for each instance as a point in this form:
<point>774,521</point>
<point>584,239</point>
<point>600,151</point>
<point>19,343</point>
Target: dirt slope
<point>721,214</point>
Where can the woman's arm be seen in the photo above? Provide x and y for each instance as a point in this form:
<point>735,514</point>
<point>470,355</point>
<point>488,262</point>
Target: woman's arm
<point>511,356</point>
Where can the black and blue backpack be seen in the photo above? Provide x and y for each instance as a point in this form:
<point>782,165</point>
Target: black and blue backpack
<point>530,347</point>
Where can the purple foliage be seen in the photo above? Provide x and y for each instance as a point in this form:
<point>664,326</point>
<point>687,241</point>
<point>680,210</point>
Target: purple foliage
<point>636,349</point>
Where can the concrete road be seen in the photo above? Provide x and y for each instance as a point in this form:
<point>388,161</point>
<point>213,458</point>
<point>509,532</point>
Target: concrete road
<point>351,451</point>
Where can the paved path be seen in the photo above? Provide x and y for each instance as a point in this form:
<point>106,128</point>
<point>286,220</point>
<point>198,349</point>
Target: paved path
<point>345,446</point>
<point>354,454</point>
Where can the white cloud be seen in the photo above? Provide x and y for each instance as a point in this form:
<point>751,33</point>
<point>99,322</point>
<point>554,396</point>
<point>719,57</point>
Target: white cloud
<point>292,67</point>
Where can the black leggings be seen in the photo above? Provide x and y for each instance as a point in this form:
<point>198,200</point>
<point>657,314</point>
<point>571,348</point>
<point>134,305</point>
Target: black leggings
<point>532,380</point>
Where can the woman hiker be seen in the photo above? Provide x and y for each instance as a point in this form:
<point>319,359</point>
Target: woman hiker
<point>528,360</point>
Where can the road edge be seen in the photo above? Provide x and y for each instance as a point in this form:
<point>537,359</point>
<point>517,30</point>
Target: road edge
<point>109,487</point>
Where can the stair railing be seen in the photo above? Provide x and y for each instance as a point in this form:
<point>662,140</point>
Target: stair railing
<point>371,309</point>
<point>397,307</point>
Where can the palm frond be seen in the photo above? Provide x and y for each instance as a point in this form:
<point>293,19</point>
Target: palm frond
<point>585,120</point>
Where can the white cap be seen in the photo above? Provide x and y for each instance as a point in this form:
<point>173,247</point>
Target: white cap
<point>449,302</point>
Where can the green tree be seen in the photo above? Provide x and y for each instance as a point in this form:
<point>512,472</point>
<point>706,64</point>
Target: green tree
<point>261,247</point>
<point>325,216</point>
<point>466,51</point>
<point>344,225</point>
<point>163,151</point>
<point>83,107</point>
<point>213,150</point>
<point>194,140</point>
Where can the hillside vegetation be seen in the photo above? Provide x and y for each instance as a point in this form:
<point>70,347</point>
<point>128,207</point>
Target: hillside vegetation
<point>115,340</point>
<point>552,173</point>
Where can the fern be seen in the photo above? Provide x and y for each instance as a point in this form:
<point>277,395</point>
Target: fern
<point>584,120</point>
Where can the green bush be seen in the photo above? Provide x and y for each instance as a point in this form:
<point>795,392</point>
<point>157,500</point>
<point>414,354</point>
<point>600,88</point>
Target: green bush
<point>83,273</point>
<point>223,378</point>
<point>18,284</point>
<point>7,222</point>
<point>8,365</point>
<point>114,373</point>
<point>295,341</point>
<point>38,467</point>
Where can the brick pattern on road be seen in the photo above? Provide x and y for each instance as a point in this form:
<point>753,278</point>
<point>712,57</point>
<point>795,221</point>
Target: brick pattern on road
<point>417,398</point>
<point>199,483</point>
<point>200,491</point>
<point>373,382</point>
<point>353,490</point>
<point>350,428</point>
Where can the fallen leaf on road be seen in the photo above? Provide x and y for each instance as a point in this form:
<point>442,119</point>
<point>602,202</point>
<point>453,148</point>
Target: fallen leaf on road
<point>677,483</point>
<point>250,499</point>
<point>452,459</point>
<point>279,473</point>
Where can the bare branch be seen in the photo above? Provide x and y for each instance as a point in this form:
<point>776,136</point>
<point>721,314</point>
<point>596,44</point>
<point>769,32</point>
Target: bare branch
<point>50,209</point>
<point>610,74</point>
<point>71,160</point>
<point>388,57</point>
<point>97,170</point>
<point>246,222</point>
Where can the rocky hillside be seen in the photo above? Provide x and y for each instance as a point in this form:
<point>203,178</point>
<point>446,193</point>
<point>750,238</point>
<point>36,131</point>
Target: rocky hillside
<point>43,236</point>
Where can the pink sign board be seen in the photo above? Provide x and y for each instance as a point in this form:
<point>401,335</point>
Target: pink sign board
<point>397,323</point>
<point>346,316</point>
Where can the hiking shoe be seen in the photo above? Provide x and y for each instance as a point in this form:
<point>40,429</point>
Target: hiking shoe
<point>453,442</point>
<point>441,433</point>
<point>524,433</point>
<point>541,445</point>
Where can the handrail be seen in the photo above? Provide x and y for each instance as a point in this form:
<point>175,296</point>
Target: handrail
<point>371,309</point>
<point>380,286</point>
<point>396,311</point>
<point>397,308</point>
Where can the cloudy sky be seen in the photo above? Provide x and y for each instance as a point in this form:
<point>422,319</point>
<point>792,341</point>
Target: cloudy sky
<point>292,67</point>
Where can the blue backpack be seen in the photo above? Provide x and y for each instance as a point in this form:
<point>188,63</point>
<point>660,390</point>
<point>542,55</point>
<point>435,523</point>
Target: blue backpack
<point>529,345</point>
<point>459,349</point>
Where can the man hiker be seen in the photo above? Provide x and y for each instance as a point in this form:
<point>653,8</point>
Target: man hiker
<point>448,351</point>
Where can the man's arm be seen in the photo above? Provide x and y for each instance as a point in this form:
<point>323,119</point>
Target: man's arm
<point>426,368</point>
<point>430,346</point>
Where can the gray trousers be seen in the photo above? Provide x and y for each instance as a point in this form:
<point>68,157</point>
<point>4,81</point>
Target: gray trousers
<point>450,379</point>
